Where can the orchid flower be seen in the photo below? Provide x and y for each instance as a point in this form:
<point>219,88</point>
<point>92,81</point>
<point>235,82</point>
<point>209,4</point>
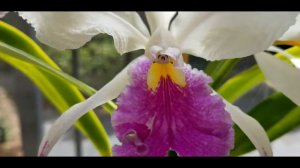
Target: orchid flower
<point>164,104</point>
<point>284,77</point>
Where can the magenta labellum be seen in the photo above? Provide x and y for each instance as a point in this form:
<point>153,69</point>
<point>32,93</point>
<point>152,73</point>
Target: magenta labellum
<point>187,120</point>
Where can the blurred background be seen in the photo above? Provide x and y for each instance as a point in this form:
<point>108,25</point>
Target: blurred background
<point>25,115</point>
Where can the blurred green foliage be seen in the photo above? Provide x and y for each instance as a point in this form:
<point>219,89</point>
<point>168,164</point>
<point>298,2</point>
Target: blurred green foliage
<point>99,60</point>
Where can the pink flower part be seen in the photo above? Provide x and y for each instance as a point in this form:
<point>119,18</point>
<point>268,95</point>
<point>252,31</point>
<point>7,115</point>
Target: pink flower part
<point>187,120</point>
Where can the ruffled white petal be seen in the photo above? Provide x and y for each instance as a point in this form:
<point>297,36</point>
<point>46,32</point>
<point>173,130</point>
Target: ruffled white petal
<point>293,32</point>
<point>223,35</point>
<point>71,30</point>
<point>280,75</point>
<point>110,91</point>
<point>159,19</point>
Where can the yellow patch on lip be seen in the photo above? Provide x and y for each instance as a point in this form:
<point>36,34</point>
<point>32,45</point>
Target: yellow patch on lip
<point>158,71</point>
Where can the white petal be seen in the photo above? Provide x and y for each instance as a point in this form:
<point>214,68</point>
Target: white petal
<point>281,75</point>
<point>162,39</point>
<point>223,35</point>
<point>70,30</point>
<point>154,50</point>
<point>110,91</point>
<point>172,52</point>
<point>135,20</point>
<point>2,14</point>
<point>254,131</point>
<point>159,19</point>
<point>293,32</point>
<point>292,58</point>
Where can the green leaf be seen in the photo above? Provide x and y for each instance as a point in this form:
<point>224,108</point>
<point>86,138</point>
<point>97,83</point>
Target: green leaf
<point>290,121</point>
<point>240,84</point>
<point>21,55</point>
<point>277,115</point>
<point>55,86</point>
<point>219,70</point>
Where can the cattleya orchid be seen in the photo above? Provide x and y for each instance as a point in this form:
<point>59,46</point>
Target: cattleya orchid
<point>163,103</point>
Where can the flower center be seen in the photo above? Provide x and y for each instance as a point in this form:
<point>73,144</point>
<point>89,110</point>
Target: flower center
<point>164,66</point>
<point>163,59</point>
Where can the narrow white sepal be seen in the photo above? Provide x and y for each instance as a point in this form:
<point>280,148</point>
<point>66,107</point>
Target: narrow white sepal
<point>253,130</point>
<point>280,75</point>
<point>110,91</point>
<point>159,19</point>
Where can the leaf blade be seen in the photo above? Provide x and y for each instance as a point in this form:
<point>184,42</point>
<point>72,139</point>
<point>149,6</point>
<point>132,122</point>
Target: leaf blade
<point>89,124</point>
<point>240,84</point>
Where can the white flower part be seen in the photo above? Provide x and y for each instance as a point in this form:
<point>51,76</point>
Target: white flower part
<point>135,20</point>
<point>154,50</point>
<point>108,92</point>
<point>280,75</point>
<point>176,54</point>
<point>71,30</point>
<point>292,58</point>
<point>253,130</point>
<point>159,19</point>
<point>2,14</point>
<point>164,39</point>
<point>293,33</point>
<point>173,52</point>
<point>161,37</point>
<point>224,35</point>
